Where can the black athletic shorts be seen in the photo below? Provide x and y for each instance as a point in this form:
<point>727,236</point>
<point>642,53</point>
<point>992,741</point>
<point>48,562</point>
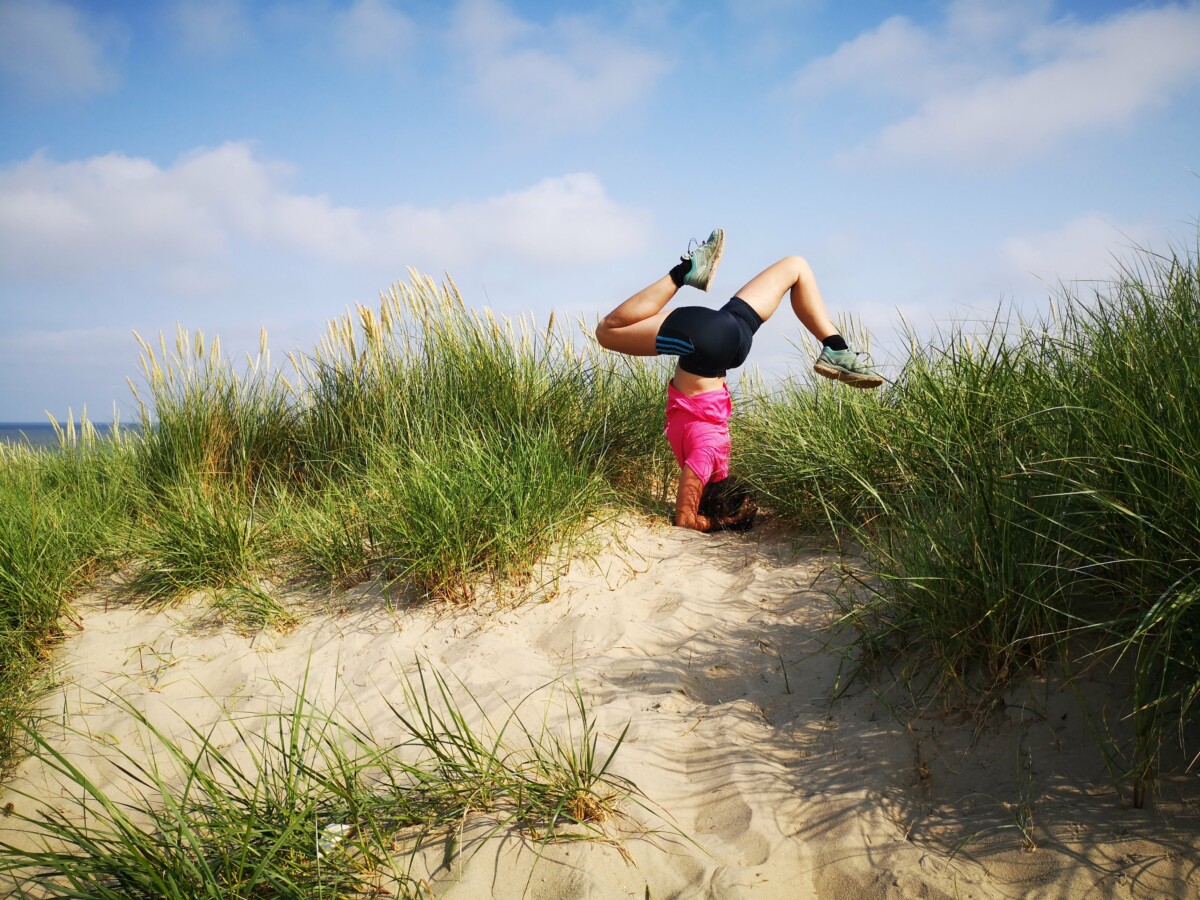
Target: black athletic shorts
<point>709,342</point>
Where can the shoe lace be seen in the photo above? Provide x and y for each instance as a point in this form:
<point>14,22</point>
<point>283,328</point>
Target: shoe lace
<point>861,356</point>
<point>858,354</point>
<point>694,244</point>
<point>862,360</point>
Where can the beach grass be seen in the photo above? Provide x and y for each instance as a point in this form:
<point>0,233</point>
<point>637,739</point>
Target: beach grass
<point>312,806</point>
<point>421,442</point>
<point>63,517</point>
<point>1025,492</point>
<point>1021,493</point>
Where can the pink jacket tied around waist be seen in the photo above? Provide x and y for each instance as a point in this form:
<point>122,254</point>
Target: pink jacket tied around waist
<point>698,429</point>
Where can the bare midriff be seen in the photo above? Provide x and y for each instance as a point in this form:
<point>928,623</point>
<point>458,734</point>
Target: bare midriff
<point>690,385</point>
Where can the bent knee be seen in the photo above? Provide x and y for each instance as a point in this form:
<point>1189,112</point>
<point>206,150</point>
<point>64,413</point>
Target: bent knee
<point>797,264</point>
<point>604,333</point>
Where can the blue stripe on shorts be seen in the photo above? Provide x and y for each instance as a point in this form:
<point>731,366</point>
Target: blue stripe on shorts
<point>671,346</point>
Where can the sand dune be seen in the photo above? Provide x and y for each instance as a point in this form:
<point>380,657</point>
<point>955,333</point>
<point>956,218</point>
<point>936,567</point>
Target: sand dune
<point>715,651</point>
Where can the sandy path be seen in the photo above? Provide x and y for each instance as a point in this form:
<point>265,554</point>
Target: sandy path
<point>713,650</point>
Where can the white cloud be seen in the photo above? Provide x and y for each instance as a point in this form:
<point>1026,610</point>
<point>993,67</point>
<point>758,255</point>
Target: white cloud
<point>51,51</point>
<point>1089,248</point>
<point>904,60</point>
<point>1000,83</point>
<point>897,58</point>
<point>979,23</point>
<point>567,76</point>
<point>119,213</point>
<point>373,31</point>
<point>556,222</point>
<point>210,27</point>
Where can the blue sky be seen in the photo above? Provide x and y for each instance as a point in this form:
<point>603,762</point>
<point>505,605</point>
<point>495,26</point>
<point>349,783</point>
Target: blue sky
<point>228,165</point>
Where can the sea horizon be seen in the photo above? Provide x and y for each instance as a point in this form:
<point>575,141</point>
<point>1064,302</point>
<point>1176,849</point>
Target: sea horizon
<point>42,434</point>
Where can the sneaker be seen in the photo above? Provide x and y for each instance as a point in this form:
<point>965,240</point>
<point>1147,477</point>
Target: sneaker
<point>846,367</point>
<point>704,259</point>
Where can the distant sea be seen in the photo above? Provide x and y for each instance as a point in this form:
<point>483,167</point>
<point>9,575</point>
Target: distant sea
<point>41,434</point>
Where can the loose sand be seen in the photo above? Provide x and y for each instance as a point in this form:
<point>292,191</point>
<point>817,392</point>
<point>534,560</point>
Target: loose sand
<point>715,651</point>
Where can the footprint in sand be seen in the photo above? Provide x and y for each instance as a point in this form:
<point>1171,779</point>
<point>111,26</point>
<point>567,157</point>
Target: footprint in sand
<point>726,816</point>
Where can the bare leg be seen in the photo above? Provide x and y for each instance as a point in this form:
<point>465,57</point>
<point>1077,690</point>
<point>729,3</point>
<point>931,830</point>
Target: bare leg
<point>791,275</point>
<point>632,327</point>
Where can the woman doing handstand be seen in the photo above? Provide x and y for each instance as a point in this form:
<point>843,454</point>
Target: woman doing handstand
<point>710,342</point>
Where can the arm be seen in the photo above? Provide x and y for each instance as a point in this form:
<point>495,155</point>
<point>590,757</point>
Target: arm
<point>687,502</point>
<point>691,495</point>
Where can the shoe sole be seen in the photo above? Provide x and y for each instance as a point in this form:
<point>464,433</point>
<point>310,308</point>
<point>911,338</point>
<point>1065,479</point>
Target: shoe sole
<point>716,260</point>
<point>851,378</point>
